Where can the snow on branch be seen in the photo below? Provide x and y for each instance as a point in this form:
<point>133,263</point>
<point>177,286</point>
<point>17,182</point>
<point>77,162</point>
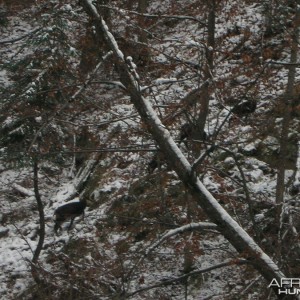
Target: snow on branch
<point>182,229</point>
<point>23,191</point>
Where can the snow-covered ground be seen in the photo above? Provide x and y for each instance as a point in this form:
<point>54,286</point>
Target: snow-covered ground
<point>130,210</point>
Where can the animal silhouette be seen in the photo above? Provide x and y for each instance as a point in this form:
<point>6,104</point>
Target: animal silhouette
<point>189,130</point>
<point>246,106</point>
<point>68,211</point>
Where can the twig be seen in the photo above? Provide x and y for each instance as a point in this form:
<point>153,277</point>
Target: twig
<point>20,38</point>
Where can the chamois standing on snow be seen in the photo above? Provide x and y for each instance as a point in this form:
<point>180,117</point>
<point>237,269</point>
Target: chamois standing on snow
<point>68,211</point>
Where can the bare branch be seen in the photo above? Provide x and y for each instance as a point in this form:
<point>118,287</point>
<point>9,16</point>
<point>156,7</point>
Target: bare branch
<point>20,38</point>
<point>182,229</point>
<point>154,16</point>
<point>285,64</point>
<point>170,281</point>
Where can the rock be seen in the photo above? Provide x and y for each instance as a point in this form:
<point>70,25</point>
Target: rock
<point>3,232</point>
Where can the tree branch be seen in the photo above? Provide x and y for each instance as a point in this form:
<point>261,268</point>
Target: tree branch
<point>20,38</point>
<point>153,16</point>
<point>184,228</point>
<point>170,281</point>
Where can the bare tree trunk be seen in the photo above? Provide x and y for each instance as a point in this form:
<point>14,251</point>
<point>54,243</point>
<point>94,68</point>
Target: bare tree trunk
<point>41,213</point>
<point>41,221</point>
<point>143,52</point>
<point>142,8</point>
<point>231,230</point>
<point>286,105</point>
<point>204,101</point>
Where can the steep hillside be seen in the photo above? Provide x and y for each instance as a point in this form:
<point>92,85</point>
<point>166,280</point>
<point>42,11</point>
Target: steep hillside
<point>219,74</point>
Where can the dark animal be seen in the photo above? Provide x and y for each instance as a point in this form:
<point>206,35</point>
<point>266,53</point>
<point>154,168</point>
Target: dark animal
<point>185,132</point>
<point>152,165</point>
<point>294,189</point>
<point>247,106</point>
<point>156,161</point>
<point>68,211</point>
<point>189,130</point>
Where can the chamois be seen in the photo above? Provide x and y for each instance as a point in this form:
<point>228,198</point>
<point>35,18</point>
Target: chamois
<point>247,106</point>
<point>156,161</point>
<point>189,130</point>
<point>68,211</point>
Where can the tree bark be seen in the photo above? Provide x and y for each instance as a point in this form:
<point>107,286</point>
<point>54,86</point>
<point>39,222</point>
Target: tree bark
<point>286,104</point>
<point>41,213</point>
<point>143,51</point>
<point>231,230</point>
<point>204,100</point>
<point>40,244</point>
